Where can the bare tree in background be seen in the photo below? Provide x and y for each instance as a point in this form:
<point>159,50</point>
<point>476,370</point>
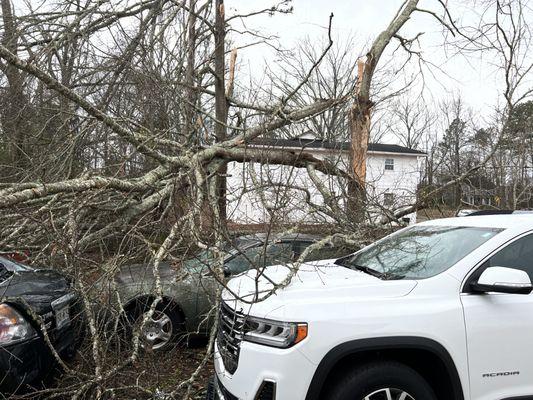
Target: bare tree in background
<point>410,121</point>
<point>503,36</point>
<point>16,106</point>
<point>457,136</point>
<point>335,77</point>
<point>495,169</point>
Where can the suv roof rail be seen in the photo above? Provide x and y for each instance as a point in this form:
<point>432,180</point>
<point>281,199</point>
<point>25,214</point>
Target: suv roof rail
<point>498,212</point>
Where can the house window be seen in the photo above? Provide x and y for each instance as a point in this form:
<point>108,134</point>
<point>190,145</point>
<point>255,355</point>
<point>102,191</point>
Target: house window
<point>389,164</point>
<point>388,199</point>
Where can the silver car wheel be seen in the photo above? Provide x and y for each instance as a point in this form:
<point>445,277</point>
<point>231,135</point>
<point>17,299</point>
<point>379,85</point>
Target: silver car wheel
<point>389,394</point>
<point>157,331</point>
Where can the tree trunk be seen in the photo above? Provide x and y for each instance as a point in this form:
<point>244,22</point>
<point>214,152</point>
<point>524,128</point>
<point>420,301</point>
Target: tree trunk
<point>457,152</point>
<point>359,123</point>
<point>191,94</point>
<point>221,103</point>
<point>14,110</point>
<point>360,113</point>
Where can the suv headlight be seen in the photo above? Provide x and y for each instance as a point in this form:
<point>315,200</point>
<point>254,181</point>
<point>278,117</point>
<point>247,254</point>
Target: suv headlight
<point>13,326</point>
<point>274,333</point>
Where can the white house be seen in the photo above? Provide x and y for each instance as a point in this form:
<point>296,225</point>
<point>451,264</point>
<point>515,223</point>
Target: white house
<point>257,193</point>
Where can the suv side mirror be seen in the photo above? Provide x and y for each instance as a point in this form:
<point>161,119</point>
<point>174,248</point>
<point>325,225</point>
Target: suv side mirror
<point>503,280</point>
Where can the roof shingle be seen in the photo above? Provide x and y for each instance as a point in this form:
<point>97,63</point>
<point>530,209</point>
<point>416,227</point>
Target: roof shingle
<point>333,145</point>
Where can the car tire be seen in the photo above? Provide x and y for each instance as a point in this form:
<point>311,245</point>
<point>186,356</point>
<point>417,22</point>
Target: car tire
<point>210,392</point>
<point>372,381</point>
<point>173,325</point>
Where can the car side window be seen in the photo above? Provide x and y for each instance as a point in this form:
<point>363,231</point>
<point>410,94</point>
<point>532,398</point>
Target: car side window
<point>322,253</point>
<point>298,247</point>
<point>256,257</point>
<point>518,255</point>
<point>329,252</point>
<point>279,253</point>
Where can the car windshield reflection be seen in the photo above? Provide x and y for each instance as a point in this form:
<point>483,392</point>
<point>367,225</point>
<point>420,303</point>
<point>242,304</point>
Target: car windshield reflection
<point>419,252</point>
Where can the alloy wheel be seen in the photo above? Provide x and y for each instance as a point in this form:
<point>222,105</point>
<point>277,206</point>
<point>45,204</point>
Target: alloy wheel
<point>157,331</point>
<point>389,394</point>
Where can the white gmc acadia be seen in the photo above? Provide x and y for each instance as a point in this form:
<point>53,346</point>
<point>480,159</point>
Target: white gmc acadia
<point>439,310</point>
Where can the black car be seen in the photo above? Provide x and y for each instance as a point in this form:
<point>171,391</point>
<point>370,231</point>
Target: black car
<point>31,298</point>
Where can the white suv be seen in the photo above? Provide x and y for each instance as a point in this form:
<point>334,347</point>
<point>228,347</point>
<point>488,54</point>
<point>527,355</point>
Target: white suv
<point>439,310</point>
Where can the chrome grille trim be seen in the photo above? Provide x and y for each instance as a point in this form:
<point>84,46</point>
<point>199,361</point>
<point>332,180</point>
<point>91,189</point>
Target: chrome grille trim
<point>229,336</point>
<point>62,301</point>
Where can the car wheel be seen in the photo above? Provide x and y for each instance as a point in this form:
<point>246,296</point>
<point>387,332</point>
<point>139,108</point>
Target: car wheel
<point>161,330</point>
<point>382,381</point>
<point>210,393</point>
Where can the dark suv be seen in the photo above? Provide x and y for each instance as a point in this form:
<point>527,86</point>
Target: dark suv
<point>30,299</point>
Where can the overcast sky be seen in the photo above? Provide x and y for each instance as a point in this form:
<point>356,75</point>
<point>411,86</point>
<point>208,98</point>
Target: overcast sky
<point>473,78</point>
<point>477,80</point>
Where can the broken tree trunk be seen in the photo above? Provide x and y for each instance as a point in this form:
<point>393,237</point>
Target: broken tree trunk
<point>359,120</point>
<point>359,123</point>
<point>360,112</point>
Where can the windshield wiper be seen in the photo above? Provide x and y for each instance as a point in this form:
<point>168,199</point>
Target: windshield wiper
<point>369,271</point>
<point>344,262</point>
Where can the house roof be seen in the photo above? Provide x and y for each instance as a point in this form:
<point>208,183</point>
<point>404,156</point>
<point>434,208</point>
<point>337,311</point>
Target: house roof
<point>306,143</point>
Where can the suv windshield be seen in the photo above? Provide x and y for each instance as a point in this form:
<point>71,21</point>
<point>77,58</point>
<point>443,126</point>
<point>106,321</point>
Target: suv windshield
<point>418,252</point>
<point>207,256</point>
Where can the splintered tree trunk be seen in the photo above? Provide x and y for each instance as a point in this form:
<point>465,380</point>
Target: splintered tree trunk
<point>359,116</point>
<point>360,132</point>
<point>221,103</point>
<point>359,123</point>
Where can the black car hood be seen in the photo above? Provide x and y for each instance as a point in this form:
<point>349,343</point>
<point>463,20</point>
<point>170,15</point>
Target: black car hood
<point>36,288</point>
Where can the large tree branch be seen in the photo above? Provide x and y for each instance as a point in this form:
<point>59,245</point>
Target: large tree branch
<point>379,45</point>
<point>29,191</point>
<point>299,159</point>
<point>285,119</point>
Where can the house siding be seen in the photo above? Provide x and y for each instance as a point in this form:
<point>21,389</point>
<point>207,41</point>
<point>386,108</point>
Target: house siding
<point>260,193</point>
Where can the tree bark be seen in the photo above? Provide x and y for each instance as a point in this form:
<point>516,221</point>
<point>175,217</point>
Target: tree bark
<point>359,122</point>
<point>221,103</point>
<point>191,94</point>
<point>14,113</point>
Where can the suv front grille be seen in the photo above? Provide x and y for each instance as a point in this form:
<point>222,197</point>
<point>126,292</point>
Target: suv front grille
<point>229,337</point>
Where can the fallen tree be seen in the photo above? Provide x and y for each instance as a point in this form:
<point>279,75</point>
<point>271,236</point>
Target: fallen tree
<point>124,159</point>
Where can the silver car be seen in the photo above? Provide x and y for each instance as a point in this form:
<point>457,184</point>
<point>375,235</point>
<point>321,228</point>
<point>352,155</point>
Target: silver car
<point>189,288</point>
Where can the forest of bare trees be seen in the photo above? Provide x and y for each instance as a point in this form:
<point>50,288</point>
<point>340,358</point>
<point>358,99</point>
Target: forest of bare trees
<point>118,118</point>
